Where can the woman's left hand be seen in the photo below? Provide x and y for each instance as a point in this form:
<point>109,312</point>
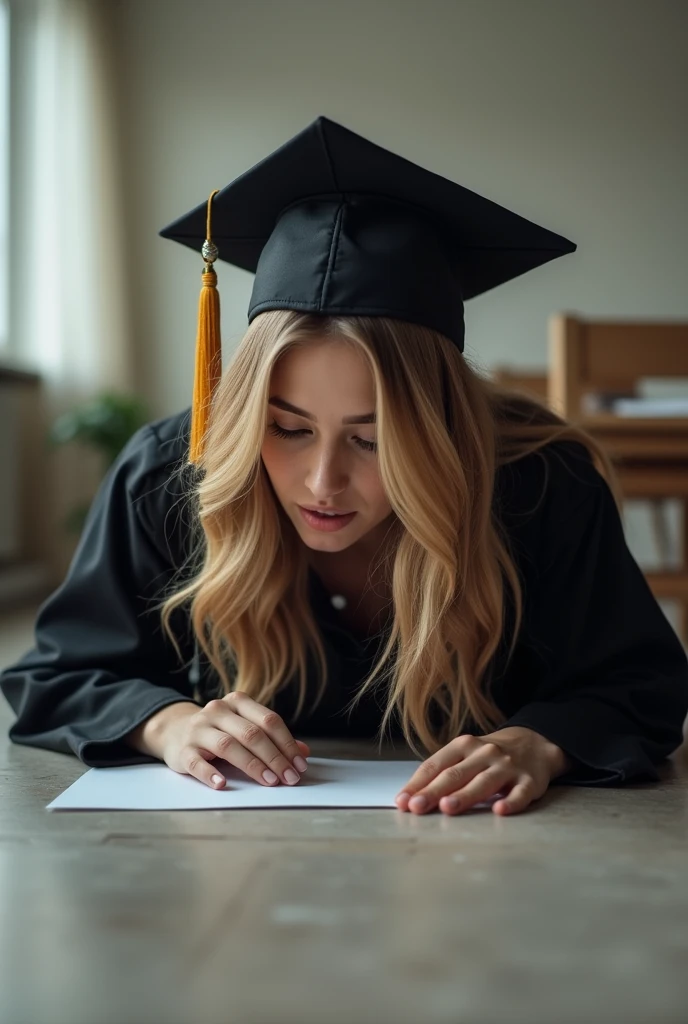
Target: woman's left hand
<point>516,762</point>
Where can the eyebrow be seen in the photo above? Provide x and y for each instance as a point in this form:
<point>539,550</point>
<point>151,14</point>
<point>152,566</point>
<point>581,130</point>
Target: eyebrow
<point>368,417</point>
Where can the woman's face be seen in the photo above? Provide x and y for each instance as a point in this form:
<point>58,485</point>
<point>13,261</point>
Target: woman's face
<point>325,462</point>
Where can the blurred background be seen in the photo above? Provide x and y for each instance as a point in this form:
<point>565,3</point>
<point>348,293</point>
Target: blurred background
<point>117,116</point>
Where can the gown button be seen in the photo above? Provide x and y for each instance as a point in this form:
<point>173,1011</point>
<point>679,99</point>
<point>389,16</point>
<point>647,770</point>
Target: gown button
<point>339,601</point>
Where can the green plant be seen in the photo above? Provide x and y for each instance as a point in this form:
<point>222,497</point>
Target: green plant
<point>105,423</point>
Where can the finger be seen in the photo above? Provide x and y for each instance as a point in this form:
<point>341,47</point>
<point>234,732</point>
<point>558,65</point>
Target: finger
<point>262,732</point>
<point>433,782</point>
<point>227,748</point>
<point>209,774</point>
<point>217,743</point>
<point>303,747</point>
<point>521,795</point>
<point>195,763</point>
<point>457,750</point>
<point>485,785</point>
<point>448,781</point>
<point>458,776</point>
<point>304,750</point>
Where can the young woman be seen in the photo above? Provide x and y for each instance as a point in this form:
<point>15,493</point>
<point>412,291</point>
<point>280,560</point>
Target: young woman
<point>375,541</point>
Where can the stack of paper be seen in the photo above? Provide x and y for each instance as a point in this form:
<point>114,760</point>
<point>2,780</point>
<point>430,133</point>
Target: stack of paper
<point>328,782</point>
<point>148,787</point>
<point>651,406</point>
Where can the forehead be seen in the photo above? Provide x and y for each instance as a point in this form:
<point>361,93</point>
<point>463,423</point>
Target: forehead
<point>330,369</point>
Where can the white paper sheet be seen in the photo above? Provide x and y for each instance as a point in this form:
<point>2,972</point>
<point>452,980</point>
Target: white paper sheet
<point>651,407</point>
<point>328,782</point>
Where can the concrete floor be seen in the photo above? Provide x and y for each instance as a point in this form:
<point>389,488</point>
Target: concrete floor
<point>573,911</point>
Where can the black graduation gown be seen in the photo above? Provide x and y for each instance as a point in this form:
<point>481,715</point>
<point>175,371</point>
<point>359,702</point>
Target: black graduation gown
<point>597,669</point>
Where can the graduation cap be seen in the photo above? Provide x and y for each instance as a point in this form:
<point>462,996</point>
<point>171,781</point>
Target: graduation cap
<point>332,223</point>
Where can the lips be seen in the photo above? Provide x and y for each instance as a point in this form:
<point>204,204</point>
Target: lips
<point>327,511</point>
<point>318,521</point>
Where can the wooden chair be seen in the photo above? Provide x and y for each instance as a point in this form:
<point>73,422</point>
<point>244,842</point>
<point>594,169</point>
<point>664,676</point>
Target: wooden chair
<point>589,358</point>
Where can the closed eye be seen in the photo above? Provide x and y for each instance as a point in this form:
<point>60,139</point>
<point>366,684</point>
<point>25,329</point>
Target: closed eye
<point>368,446</point>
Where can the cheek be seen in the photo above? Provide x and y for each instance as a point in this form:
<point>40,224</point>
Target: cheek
<point>274,465</point>
<point>283,467</point>
<point>370,485</point>
<point>272,452</point>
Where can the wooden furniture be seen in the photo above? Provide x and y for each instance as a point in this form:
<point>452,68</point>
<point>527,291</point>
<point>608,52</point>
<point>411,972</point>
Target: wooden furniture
<point>22,398</point>
<point>527,382</point>
<point>342,914</point>
<point>589,357</point>
<point>24,501</point>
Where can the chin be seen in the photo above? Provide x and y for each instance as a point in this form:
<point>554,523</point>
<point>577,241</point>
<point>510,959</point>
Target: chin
<point>338,541</point>
<point>327,542</point>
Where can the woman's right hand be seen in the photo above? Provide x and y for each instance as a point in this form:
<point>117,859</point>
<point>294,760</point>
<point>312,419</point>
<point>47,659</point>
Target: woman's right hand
<point>235,728</point>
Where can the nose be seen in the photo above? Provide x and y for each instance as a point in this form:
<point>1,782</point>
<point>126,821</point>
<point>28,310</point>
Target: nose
<point>327,475</point>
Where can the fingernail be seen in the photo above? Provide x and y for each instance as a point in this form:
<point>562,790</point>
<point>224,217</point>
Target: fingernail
<point>300,764</point>
<point>418,803</point>
<point>399,796</point>
<point>291,776</point>
<point>217,779</point>
<point>269,776</point>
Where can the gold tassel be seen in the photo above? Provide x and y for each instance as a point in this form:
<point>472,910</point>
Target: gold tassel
<point>208,346</point>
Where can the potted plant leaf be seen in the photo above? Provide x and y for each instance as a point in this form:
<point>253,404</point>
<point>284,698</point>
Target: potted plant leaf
<point>105,424</point>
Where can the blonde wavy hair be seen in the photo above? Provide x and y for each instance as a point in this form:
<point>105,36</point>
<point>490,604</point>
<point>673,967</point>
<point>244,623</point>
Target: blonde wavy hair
<point>443,430</point>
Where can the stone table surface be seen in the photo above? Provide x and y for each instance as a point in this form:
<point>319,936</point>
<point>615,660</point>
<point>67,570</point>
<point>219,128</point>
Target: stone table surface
<point>575,910</point>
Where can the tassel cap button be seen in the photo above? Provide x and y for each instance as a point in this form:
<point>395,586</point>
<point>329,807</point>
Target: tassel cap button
<point>210,251</point>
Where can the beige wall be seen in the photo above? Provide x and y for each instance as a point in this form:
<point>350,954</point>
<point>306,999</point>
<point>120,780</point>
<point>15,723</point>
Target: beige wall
<point>571,112</point>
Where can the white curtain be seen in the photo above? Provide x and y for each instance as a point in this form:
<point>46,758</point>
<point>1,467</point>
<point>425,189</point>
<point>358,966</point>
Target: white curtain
<point>68,295</point>
<point>67,251</point>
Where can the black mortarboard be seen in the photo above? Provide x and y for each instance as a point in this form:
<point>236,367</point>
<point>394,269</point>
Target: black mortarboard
<point>333,223</point>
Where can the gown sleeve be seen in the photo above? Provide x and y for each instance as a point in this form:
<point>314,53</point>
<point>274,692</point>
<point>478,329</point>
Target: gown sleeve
<point>608,676</point>
<point>101,664</point>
